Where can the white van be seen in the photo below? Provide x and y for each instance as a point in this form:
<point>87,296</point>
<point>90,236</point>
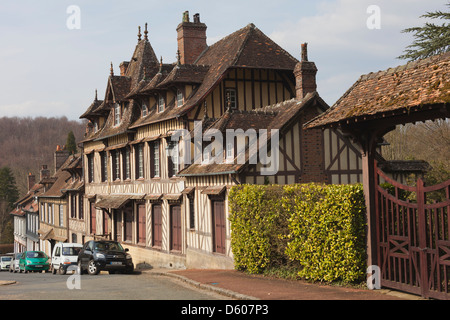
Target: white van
<point>64,257</point>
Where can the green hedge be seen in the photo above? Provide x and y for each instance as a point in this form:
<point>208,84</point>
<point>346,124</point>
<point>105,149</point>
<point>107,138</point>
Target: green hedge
<point>319,227</point>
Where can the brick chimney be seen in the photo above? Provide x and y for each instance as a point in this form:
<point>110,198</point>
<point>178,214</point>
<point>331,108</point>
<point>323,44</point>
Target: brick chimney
<point>44,173</point>
<point>191,38</point>
<point>123,67</point>
<point>31,181</point>
<point>305,75</point>
<point>61,156</point>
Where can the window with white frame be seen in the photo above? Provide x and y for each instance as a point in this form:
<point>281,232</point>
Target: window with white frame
<point>61,215</point>
<point>117,114</point>
<point>161,103</point>
<point>144,109</point>
<point>230,151</point>
<point>180,98</point>
<point>230,98</point>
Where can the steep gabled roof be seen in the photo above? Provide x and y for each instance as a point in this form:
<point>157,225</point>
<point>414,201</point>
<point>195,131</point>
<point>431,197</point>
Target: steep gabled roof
<point>418,83</point>
<point>247,47</point>
<point>279,116</point>
<point>143,62</point>
<point>63,179</point>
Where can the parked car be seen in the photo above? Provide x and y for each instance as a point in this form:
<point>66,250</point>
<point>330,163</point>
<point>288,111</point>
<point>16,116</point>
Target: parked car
<point>14,266</point>
<point>104,255</point>
<point>5,261</point>
<point>65,256</point>
<point>34,261</point>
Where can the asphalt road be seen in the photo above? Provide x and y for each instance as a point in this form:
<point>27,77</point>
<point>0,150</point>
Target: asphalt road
<point>138,286</point>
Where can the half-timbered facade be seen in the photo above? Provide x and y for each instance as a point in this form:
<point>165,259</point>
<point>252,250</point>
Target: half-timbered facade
<point>145,184</point>
<point>56,202</point>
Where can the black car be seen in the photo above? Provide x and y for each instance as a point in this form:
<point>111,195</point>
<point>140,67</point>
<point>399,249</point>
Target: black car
<point>104,255</point>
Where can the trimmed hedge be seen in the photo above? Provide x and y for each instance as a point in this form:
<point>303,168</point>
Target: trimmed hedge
<point>319,227</point>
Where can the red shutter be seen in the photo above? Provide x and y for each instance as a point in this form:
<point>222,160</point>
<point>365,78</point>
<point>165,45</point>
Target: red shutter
<point>219,226</point>
<point>157,225</point>
<point>141,224</point>
<point>93,218</point>
<point>175,234</point>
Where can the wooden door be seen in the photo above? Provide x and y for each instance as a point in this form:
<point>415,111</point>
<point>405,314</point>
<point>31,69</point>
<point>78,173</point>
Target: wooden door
<point>157,225</point>
<point>219,226</point>
<point>175,228</point>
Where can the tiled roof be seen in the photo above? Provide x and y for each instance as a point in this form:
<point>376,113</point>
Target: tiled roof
<point>92,110</point>
<point>247,47</point>
<point>418,83</point>
<point>278,116</point>
<point>63,180</point>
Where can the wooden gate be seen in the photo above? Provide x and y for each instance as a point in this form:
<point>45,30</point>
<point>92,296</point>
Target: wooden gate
<point>413,243</point>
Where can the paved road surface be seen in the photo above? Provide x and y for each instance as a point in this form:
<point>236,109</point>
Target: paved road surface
<point>144,286</point>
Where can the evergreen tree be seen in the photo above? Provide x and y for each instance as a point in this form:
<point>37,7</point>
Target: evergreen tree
<point>431,39</point>
<point>8,196</point>
<point>71,145</point>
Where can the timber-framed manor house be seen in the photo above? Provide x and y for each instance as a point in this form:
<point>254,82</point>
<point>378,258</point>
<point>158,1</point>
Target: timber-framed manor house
<point>131,181</point>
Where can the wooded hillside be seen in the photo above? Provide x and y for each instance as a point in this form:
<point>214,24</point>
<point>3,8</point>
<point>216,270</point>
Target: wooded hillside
<point>28,143</point>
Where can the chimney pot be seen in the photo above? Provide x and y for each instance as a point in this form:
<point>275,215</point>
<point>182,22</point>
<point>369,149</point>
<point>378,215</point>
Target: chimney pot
<point>44,173</point>
<point>31,179</point>
<point>305,75</point>
<point>304,51</point>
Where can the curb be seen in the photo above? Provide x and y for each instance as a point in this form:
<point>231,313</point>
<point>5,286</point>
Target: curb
<point>224,292</point>
<point>7,283</point>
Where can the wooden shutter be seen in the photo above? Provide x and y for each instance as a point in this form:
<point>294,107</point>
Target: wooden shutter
<point>117,225</point>
<point>157,225</point>
<point>175,228</point>
<point>141,224</point>
<point>128,224</point>
<point>93,218</point>
<point>219,226</point>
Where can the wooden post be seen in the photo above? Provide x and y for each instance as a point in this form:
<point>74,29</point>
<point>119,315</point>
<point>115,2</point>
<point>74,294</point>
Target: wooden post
<point>369,171</point>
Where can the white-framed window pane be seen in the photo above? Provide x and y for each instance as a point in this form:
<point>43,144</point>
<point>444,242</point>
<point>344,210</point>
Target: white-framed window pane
<point>156,159</point>
<point>161,103</point>
<point>180,98</point>
<point>116,114</point>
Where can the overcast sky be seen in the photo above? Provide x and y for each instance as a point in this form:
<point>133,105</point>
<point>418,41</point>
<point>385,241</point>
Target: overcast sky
<point>48,69</point>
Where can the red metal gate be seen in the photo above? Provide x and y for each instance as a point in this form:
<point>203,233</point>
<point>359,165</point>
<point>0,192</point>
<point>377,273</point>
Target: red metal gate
<point>413,243</point>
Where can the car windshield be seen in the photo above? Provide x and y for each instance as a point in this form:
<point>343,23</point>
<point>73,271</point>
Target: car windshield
<point>70,251</point>
<point>108,246</point>
<point>6,258</point>
<point>35,254</point>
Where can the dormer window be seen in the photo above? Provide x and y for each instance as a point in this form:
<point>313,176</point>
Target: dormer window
<point>144,109</point>
<point>230,98</point>
<point>161,103</point>
<point>95,125</point>
<point>117,114</point>
<point>180,98</point>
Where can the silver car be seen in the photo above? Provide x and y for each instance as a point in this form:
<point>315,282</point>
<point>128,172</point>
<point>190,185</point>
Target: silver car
<point>14,266</point>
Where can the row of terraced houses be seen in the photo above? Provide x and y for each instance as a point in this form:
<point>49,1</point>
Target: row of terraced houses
<point>138,181</point>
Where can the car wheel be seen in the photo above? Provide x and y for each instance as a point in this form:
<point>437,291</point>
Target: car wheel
<point>61,270</point>
<point>80,270</point>
<point>130,270</point>
<point>92,268</point>
<point>53,269</point>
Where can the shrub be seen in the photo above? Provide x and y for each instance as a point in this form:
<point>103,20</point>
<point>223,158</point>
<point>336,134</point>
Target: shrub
<point>319,227</point>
